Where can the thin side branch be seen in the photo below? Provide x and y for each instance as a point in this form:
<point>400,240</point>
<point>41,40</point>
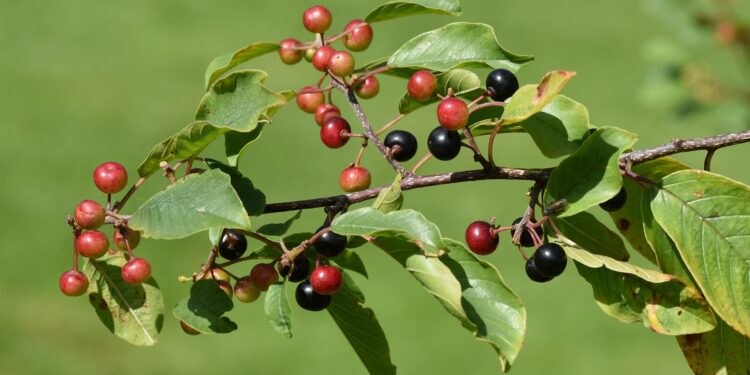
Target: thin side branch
<point>686,145</point>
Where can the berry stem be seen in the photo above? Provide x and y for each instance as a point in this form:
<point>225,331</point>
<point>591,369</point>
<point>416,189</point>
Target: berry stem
<point>529,214</point>
<point>707,160</point>
<point>477,154</point>
<point>361,153</point>
<point>344,33</point>
<point>261,238</point>
<point>131,191</point>
<point>477,100</point>
<point>369,74</point>
<point>492,143</point>
<point>486,105</point>
<point>421,162</point>
<point>390,124</point>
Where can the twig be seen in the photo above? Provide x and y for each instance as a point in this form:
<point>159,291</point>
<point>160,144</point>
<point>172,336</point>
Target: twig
<point>390,124</point>
<point>687,145</point>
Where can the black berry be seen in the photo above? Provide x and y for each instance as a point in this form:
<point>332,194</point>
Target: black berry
<point>501,84</point>
<point>330,244</point>
<point>550,259</point>
<point>406,142</point>
<point>300,269</point>
<point>308,299</point>
<point>526,239</point>
<point>616,202</point>
<point>533,273</point>
<point>233,244</point>
<point>444,144</point>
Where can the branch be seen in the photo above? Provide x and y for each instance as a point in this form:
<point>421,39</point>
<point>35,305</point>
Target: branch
<point>686,145</point>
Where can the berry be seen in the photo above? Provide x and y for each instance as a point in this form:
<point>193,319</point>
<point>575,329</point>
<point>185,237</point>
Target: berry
<point>330,132</point>
<point>89,214</point>
<point>421,86</point>
<point>226,287</point>
<point>110,177</point>
<point>355,179</point>
<point>317,19</point>
<point>309,54</point>
<point>245,290</point>
<point>325,112</point>
<point>533,273</point>
<point>233,244</point>
<point>74,283</point>
<point>501,84</point>
<point>299,269</point>
<point>360,36</point>
<point>368,89</point>
<point>321,57</point>
<point>216,274</point>
<point>134,238</point>
<point>480,238</point>
<point>308,299</point>
<point>188,329</point>
<point>289,55</point>
<point>526,239</point>
<point>616,202</point>
<point>92,244</point>
<point>550,259</point>
<point>326,280</point>
<point>309,99</point>
<point>406,142</point>
<point>453,113</point>
<point>341,63</point>
<point>444,144</point>
<point>263,275</point>
<point>330,244</point>
<point>136,271</point>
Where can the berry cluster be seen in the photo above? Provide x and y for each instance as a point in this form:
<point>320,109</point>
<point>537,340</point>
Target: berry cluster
<point>110,178</point>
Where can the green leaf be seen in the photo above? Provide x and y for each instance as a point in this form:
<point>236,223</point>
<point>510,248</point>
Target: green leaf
<point>163,151</point>
<point>708,218</point>
<point>391,198</point>
<point>134,313</point>
<point>631,294</point>
<point>252,199</point>
<point>350,260</point>
<point>721,351</point>
<point>224,63</point>
<point>362,329</point>
<point>592,174</point>
<point>410,223</point>
<point>398,9</point>
<point>405,73</point>
<point>462,82</point>
<point>531,99</point>
<point>276,231</point>
<point>204,309</point>
<point>456,45</point>
<point>496,311</point>
<point>629,220</point>
<point>669,308</point>
<point>560,128</point>
<point>193,204</point>
<point>239,100</point>
<point>589,233</point>
<point>277,309</point>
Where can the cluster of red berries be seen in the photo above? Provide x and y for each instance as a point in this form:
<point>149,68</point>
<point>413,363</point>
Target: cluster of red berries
<point>110,178</point>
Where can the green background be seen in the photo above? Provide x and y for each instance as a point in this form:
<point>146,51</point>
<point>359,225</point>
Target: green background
<point>85,82</point>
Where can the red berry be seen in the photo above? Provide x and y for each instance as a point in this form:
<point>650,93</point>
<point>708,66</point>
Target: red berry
<point>110,177</point>
<point>330,132</point>
<point>288,52</point>
<point>360,37</point>
<point>341,63</point>
<point>368,88</point>
<point>321,57</point>
<point>480,238</point>
<point>355,179</point>
<point>325,112</point>
<point>74,283</point>
<point>245,290</point>
<point>263,275</point>
<point>309,99</point>
<point>136,271</point>
<point>422,85</point>
<point>188,329</point>
<point>92,244</point>
<point>226,287</point>
<point>326,280</point>
<point>134,238</point>
<point>89,214</point>
<point>453,113</point>
<point>317,19</point>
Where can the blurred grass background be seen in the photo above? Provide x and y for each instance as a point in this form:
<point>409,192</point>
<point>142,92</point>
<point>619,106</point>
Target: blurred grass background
<point>89,81</point>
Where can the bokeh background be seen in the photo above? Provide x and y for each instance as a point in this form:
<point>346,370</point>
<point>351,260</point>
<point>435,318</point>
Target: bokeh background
<point>85,82</point>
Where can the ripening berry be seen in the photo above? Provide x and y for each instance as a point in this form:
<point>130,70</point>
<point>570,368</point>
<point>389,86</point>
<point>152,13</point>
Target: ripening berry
<point>136,271</point>
<point>341,63</point>
<point>309,99</point>
<point>288,51</point>
<point>326,280</point>
<point>73,283</point>
<point>263,275</point>
<point>188,329</point>
<point>355,179</point>
<point>245,290</point>
<point>134,238</point>
<point>480,238</point>
<point>368,89</point>
<point>110,177</point>
<point>421,85</point>
<point>317,19</point>
<point>360,36</point>
<point>331,132</point>
<point>216,273</point>
<point>89,214</point>
<point>321,57</point>
<point>453,113</point>
<point>325,112</point>
<point>92,244</point>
